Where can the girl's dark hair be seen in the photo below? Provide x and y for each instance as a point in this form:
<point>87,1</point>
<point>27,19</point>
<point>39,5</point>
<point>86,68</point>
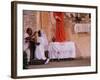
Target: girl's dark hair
<point>39,33</point>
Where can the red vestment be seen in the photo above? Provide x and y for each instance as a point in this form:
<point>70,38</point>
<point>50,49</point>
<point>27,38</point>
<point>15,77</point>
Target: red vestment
<point>60,35</point>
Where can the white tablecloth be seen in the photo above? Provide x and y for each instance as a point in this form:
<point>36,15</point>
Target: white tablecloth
<point>61,50</point>
<point>82,27</point>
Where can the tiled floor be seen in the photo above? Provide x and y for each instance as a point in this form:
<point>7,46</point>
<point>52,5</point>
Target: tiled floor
<point>64,63</point>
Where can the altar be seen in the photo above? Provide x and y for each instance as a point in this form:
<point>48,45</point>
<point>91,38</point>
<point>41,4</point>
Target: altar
<point>62,50</point>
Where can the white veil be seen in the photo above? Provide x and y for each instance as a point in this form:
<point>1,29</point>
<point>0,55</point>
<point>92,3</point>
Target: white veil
<point>45,39</point>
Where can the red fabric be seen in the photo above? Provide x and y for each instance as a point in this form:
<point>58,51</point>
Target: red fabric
<point>60,35</point>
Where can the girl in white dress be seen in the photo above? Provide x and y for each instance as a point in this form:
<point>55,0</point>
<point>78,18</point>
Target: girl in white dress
<point>40,51</point>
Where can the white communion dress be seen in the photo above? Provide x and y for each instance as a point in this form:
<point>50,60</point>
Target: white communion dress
<point>45,40</point>
<point>40,52</point>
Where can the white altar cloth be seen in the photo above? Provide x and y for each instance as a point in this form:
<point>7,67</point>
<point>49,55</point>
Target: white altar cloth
<point>62,50</point>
